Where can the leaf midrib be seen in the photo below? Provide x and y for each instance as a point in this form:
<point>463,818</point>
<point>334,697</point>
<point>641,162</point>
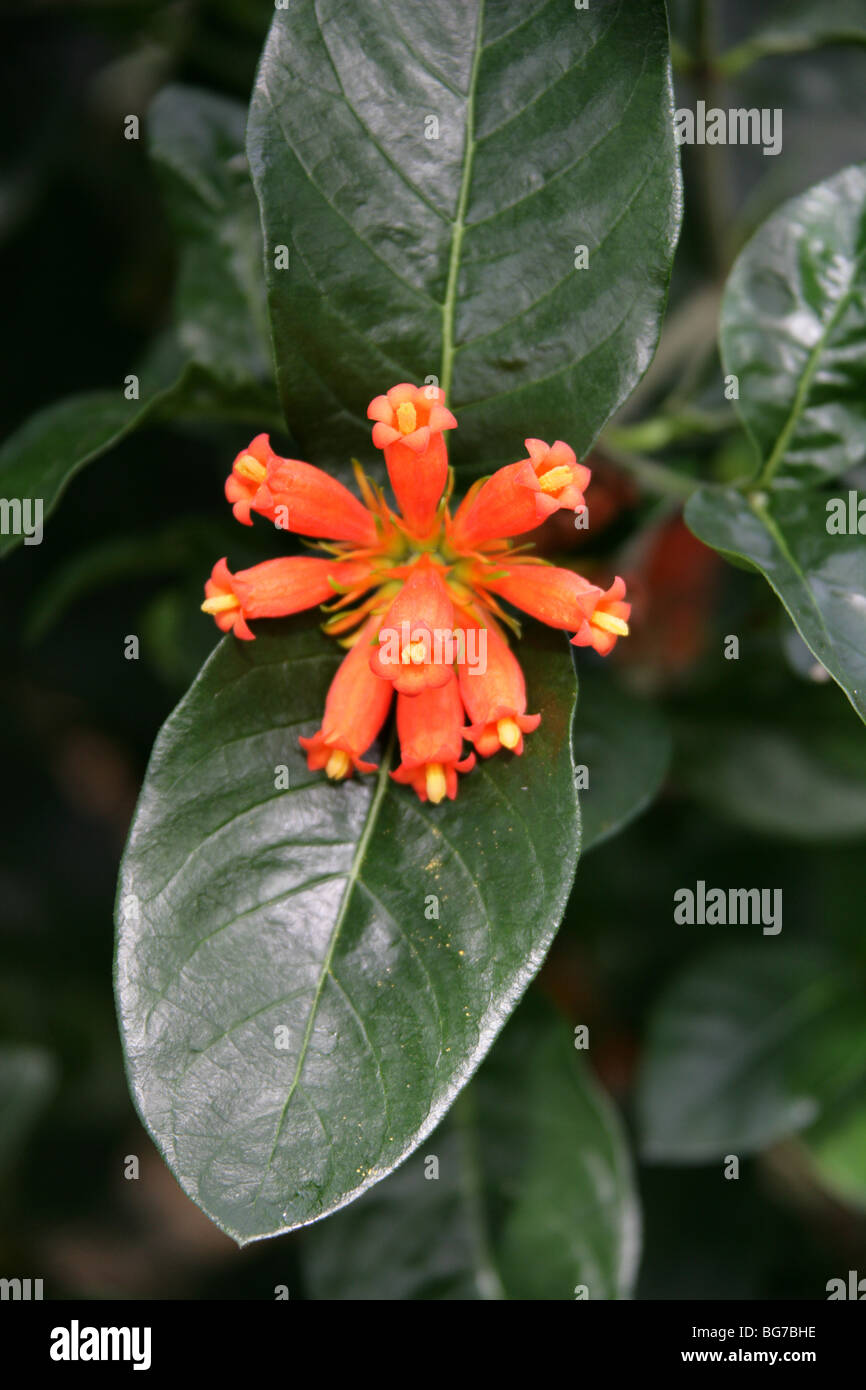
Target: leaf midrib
<point>776,534</point>
<point>459,224</point>
<point>325,970</point>
<point>804,385</point>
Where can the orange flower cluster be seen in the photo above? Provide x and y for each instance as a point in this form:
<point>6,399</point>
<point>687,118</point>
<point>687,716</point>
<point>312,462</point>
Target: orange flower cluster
<point>416,592</point>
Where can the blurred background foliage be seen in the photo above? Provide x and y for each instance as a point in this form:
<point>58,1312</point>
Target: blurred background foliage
<point>755,770</point>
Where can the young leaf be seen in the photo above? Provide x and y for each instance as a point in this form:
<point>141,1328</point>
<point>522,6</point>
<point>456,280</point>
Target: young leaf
<point>431,191</point>
<point>793,328</point>
<point>819,576</point>
<point>307,977</point>
<point>525,1191</point>
<point>748,1047</point>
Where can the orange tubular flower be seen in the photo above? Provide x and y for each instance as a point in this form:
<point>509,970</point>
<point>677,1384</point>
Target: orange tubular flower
<point>557,597</point>
<point>297,496</point>
<point>409,424</point>
<point>494,693</point>
<point>609,620</point>
<point>416,646</point>
<point>415,594</point>
<point>274,589</point>
<point>316,504</point>
<point>355,710</point>
<point>430,729</point>
<point>249,471</point>
<point>520,496</point>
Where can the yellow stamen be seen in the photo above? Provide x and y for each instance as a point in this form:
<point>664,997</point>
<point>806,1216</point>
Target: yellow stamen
<point>555,479</point>
<point>339,765</point>
<point>437,787</point>
<point>220,603</point>
<point>249,467</point>
<point>608,623</point>
<point>509,732</point>
<point>414,653</point>
<point>407,419</point>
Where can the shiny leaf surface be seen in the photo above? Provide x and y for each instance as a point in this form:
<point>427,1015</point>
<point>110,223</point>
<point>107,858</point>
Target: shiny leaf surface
<point>430,178</point>
<point>525,1191</point>
<point>296,1017</point>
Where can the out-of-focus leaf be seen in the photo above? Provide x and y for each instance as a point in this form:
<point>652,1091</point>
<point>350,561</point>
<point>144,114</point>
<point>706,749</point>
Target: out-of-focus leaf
<point>820,578</point>
<point>217,361</point>
<point>44,455</point>
<point>434,234</point>
<point>27,1079</point>
<point>837,1151</point>
<point>798,26</point>
<point>625,745</point>
<point>532,1196</point>
<point>793,331</point>
<point>806,781</point>
<point>196,140</point>
<point>296,1018</point>
<point>182,545</point>
<point>172,640</point>
<point>747,1047</point>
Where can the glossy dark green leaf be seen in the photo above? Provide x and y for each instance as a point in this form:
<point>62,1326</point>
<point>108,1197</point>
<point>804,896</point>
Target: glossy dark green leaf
<point>748,1047</point>
<point>793,330</point>
<point>431,176</point>
<point>244,910</point>
<point>625,746</point>
<point>820,577</point>
<point>529,1194</point>
<point>27,1078</point>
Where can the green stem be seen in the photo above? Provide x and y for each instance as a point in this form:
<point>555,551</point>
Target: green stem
<point>654,477</point>
<point>682,60</point>
<point>711,160</point>
<point>658,431</point>
<point>737,59</point>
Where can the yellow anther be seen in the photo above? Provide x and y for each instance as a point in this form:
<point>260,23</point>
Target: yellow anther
<point>220,603</point>
<point>413,654</point>
<point>407,419</point>
<point>339,765</point>
<point>249,467</point>
<point>608,623</point>
<point>437,787</point>
<point>555,479</point>
<point>509,732</point>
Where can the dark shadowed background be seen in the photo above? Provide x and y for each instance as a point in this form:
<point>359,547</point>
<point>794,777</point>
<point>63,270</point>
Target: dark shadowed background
<point>88,267</point>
